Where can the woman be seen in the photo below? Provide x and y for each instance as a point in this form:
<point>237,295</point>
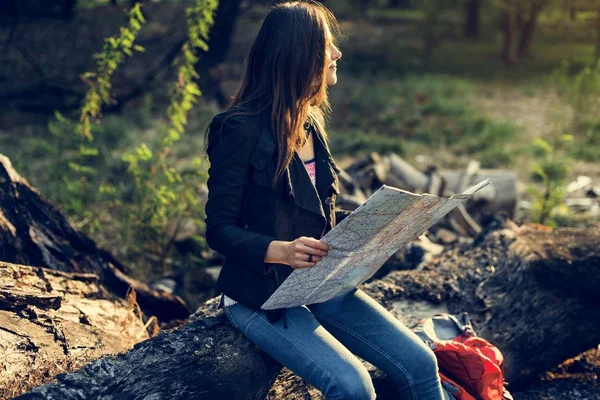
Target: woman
<point>272,190</point>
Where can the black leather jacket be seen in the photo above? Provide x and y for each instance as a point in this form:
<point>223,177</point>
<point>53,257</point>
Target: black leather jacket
<point>244,213</point>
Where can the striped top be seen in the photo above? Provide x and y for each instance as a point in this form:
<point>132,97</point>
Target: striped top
<point>311,169</point>
<point>312,173</point>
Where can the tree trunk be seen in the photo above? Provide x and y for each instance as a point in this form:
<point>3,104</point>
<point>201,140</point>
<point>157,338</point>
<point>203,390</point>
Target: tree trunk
<point>531,291</point>
<point>528,29</point>
<point>597,49</point>
<point>509,51</point>
<point>473,8</point>
<point>219,43</point>
<point>51,321</point>
<point>34,232</point>
<point>29,8</point>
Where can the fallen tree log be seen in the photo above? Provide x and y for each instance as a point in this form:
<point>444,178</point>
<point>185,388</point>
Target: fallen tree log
<point>531,291</point>
<point>52,321</point>
<point>34,232</point>
<point>520,286</point>
<point>206,358</point>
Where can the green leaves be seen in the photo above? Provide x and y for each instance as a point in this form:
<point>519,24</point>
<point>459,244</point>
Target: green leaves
<point>116,50</point>
<point>551,170</point>
<point>163,194</point>
<point>155,193</point>
<point>541,147</point>
<point>185,93</point>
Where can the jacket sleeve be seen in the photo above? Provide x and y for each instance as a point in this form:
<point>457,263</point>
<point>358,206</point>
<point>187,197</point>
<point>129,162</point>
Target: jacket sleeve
<point>229,151</point>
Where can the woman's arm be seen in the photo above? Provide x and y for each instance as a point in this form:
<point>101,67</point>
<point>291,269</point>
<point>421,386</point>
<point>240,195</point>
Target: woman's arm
<point>229,151</point>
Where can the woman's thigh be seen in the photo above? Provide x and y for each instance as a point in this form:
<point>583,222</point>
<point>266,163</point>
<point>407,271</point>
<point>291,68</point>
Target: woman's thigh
<point>307,349</point>
<point>368,330</point>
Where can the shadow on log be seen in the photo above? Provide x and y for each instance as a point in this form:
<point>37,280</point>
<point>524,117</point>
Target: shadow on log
<point>519,285</point>
<point>34,232</point>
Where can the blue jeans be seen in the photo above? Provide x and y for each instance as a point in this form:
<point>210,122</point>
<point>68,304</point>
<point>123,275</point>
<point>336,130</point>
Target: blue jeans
<point>320,339</point>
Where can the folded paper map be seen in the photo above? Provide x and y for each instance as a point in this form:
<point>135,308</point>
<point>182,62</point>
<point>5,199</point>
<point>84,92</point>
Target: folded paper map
<point>363,241</point>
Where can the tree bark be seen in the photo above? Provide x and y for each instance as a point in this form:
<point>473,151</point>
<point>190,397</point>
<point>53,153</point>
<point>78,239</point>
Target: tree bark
<point>597,47</point>
<point>509,51</point>
<point>529,27</point>
<point>39,9</point>
<point>219,43</point>
<point>473,8</point>
<point>34,232</point>
<point>52,320</point>
<point>530,291</point>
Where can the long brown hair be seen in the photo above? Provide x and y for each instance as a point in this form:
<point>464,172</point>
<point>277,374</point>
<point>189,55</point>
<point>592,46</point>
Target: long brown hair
<point>286,72</point>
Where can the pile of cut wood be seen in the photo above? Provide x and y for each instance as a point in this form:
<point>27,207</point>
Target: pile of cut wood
<point>366,175</point>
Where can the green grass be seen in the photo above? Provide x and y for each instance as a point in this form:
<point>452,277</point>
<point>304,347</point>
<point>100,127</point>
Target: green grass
<point>426,112</point>
<point>356,143</point>
<point>587,142</point>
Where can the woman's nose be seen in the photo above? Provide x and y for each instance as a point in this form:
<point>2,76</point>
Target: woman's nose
<point>337,54</point>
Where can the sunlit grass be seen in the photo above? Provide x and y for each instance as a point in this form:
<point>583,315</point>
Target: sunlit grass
<point>426,113</point>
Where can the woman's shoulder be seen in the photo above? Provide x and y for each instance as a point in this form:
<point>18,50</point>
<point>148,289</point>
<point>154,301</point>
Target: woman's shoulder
<point>236,124</point>
<point>239,114</point>
<point>237,119</point>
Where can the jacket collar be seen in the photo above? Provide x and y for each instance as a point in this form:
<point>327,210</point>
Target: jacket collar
<point>296,179</point>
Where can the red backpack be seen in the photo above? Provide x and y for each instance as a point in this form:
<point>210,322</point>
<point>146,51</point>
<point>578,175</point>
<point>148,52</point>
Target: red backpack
<point>470,367</point>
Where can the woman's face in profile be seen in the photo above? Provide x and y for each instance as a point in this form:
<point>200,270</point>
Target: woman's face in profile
<point>332,54</point>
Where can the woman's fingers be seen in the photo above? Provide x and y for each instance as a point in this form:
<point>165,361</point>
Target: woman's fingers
<point>315,243</point>
<point>303,264</point>
<point>305,246</point>
<point>300,256</point>
<point>311,250</point>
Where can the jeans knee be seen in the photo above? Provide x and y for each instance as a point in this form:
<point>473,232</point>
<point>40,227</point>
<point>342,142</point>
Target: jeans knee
<point>428,361</point>
<point>424,367</point>
<point>352,385</point>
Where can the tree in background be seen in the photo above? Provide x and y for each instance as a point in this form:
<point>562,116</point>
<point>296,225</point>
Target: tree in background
<point>529,13</point>
<point>37,8</point>
<point>520,20</point>
<point>219,45</point>
<point>44,95</point>
<point>509,24</point>
<point>472,20</point>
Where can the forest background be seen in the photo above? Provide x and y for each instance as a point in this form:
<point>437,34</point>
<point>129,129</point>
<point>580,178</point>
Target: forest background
<point>103,104</point>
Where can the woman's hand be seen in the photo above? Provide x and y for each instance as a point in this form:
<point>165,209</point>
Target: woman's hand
<point>296,253</point>
<point>299,251</point>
